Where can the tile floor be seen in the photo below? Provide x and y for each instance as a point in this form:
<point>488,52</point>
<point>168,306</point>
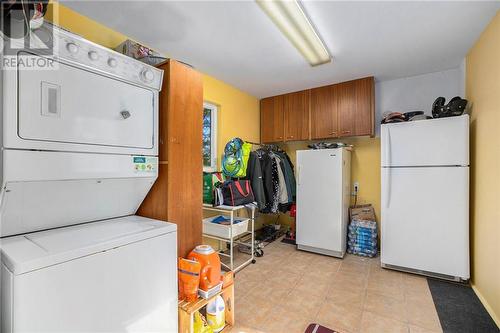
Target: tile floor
<point>288,289</point>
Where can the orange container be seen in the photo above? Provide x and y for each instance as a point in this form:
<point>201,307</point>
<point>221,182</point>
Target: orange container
<point>189,279</point>
<point>210,274</point>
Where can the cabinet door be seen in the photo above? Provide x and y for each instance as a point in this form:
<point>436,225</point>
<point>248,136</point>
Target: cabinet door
<point>346,104</point>
<point>271,119</point>
<point>365,108</point>
<point>296,107</point>
<point>324,113</point>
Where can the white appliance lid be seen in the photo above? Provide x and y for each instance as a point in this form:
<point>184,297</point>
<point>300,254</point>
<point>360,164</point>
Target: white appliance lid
<point>37,250</point>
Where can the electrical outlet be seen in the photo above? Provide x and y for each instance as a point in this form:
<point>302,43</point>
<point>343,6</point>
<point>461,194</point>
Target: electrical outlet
<point>355,187</point>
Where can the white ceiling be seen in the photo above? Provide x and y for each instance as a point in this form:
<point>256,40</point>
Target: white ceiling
<point>237,43</point>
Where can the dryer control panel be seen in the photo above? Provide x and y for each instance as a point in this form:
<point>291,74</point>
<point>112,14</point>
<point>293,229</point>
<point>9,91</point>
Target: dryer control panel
<point>76,49</point>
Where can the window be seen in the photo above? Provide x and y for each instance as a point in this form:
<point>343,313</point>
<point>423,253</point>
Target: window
<point>209,137</point>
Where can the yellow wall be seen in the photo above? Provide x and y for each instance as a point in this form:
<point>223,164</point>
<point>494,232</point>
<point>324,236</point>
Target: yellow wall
<point>239,114</point>
<point>483,90</point>
<point>84,26</point>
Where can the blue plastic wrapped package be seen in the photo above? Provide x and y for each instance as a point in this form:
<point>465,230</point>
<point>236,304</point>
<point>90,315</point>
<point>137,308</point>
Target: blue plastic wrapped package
<point>362,238</point>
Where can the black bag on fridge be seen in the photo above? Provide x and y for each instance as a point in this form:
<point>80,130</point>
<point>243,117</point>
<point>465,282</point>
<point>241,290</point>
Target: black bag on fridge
<point>237,192</point>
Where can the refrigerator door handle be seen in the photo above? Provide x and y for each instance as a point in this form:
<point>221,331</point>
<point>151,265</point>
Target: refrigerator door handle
<point>387,187</point>
<point>298,175</point>
<point>388,147</point>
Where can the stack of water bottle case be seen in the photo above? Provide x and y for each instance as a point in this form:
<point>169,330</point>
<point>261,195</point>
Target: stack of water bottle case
<point>362,233</point>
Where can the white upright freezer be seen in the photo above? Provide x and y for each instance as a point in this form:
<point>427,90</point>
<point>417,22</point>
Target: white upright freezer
<point>425,197</point>
<point>323,193</point>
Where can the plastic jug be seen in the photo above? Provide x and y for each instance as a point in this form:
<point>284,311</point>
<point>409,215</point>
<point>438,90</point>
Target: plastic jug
<point>189,279</point>
<point>210,275</point>
<point>200,325</point>
<point>216,315</point>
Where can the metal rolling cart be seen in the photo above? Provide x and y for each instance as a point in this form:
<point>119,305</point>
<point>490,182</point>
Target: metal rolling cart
<point>233,237</point>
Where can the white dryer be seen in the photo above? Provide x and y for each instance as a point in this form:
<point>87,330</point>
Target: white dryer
<point>79,154</point>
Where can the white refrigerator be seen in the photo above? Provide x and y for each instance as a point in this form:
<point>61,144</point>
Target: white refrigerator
<point>323,194</point>
<point>425,197</point>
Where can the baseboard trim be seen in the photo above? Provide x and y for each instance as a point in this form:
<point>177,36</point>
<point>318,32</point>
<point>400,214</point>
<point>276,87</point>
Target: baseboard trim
<point>486,305</point>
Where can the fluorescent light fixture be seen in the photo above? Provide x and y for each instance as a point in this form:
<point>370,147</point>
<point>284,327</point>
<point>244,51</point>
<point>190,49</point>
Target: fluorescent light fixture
<point>294,24</point>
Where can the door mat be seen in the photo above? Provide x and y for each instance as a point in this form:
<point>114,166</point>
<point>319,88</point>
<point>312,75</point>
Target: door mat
<point>316,328</point>
<point>459,309</point>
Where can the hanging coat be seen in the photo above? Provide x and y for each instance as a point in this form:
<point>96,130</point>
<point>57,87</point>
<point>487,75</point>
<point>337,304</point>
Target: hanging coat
<point>254,174</point>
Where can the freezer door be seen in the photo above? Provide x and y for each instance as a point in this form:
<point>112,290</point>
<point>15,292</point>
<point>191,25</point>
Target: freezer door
<point>434,142</point>
<point>319,199</point>
<point>132,288</point>
<point>425,219</point>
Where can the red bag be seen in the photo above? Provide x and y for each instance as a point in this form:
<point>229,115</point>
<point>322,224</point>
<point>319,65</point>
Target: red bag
<point>237,192</point>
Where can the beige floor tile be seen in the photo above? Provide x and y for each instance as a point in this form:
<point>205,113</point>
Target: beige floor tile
<point>354,268</point>
<point>385,306</point>
<point>343,296</point>
<point>386,275</point>
<point>373,323</point>
<point>243,286</point>
<point>417,329</point>
<point>298,324</point>
<point>275,322</point>
<point>324,266</point>
<point>350,281</point>
<point>391,288</point>
<point>346,319</point>
<point>243,329</point>
<point>286,290</point>
<point>414,285</point>
<point>318,274</point>
<point>301,303</point>
<point>312,285</point>
<point>422,313</point>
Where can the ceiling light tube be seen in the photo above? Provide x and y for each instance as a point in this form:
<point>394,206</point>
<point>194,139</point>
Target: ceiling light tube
<point>294,24</point>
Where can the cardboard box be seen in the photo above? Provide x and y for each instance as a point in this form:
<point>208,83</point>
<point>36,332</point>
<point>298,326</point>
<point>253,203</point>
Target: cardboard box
<point>363,212</point>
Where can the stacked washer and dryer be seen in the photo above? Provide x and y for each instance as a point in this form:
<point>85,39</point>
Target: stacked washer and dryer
<point>79,154</point>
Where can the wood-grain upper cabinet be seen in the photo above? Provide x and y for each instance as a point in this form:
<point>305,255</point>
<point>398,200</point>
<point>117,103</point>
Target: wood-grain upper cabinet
<point>272,121</point>
<point>338,110</point>
<point>346,104</point>
<point>324,114</point>
<point>296,110</point>
<point>364,116</point>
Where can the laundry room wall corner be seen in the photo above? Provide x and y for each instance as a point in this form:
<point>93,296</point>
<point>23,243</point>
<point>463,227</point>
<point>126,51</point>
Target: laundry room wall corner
<point>483,71</point>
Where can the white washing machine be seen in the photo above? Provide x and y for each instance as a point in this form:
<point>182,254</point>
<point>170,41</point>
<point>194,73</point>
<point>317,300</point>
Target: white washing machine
<point>79,154</point>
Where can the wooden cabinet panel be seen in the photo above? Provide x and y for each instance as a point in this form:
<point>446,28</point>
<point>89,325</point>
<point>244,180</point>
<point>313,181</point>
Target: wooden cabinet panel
<point>272,119</point>
<point>177,194</point>
<point>296,108</point>
<point>339,110</point>
<point>185,160</point>
<point>324,112</point>
<point>364,122</point>
<point>346,104</point>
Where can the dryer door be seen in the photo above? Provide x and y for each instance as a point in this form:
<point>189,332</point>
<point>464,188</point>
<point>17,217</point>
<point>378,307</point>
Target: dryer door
<point>72,105</point>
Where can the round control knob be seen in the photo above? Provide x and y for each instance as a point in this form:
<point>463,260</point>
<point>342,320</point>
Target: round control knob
<point>112,62</point>
<point>93,55</point>
<point>72,48</point>
<point>147,75</point>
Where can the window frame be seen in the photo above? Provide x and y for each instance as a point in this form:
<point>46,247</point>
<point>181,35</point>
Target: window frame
<point>214,112</point>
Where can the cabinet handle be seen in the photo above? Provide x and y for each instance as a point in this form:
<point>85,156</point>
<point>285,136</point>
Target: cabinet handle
<point>346,132</point>
<point>290,137</point>
<point>280,137</point>
<point>333,133</point>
